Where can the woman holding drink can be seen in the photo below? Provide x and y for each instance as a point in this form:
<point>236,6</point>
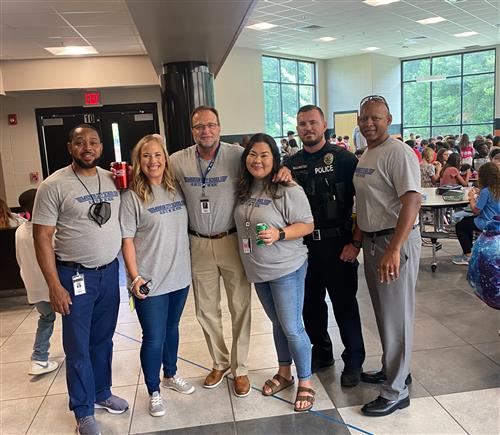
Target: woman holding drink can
<point>154,221</point>
<point>271,219</point>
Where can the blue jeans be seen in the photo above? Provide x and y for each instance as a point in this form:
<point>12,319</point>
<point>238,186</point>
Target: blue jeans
<point>283,299</point>
<point>88,335</point>
<point>43,332</point>
<point>159,318</point>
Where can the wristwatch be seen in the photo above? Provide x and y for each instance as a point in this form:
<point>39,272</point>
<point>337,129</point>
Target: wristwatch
<point>356,243</point>
<point>282,234</point>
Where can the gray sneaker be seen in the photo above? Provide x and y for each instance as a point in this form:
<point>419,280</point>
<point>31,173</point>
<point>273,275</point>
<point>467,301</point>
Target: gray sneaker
<point>87,426</point>
<point>178,384</point>
<point>156,406</point>
<point>113,404</point>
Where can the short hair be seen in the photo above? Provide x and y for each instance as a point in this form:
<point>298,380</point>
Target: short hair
<point>494,152</point>
<point>203,109</point>
<point>346,137</point>
<point>288,133</point>
<point>27,199</point>
<point>309,107</point>
<point>72,132</point>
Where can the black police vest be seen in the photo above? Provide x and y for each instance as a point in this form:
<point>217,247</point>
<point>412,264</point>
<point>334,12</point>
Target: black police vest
<point>317,174</point>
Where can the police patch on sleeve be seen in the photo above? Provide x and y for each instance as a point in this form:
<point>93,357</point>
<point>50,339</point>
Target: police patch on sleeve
<point>328,159</point>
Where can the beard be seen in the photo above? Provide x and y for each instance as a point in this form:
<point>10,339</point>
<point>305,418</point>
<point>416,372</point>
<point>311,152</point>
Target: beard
<point>311,143</point>
<point>85,165</point>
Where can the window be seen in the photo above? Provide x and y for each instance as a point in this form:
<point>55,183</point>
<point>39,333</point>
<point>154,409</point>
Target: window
<point>462,102</point>
<point>288,85</point>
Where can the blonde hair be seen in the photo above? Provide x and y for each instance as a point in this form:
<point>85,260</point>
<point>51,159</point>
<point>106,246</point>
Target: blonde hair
<point>140,183</point>
<point>428,154</point>
<point>5,214</point>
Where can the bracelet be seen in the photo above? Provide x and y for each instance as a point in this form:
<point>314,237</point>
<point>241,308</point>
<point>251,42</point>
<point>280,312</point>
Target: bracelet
<point>137,278</point>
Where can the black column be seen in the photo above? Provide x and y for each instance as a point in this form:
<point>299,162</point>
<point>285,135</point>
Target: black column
<point>185,86</point>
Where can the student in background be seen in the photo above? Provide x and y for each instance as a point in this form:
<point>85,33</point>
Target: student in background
<point>450,174</point>
<point>36,289</point>
<point>7,218</point>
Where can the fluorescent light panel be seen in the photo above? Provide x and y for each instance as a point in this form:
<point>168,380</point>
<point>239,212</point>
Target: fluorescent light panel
<point>262,26</point>
<point>379,2</point>
<point>465,34</point>
<point>371,48</point>
<point>326,39</point>
<point>72,50</point>
<point>432,20</point>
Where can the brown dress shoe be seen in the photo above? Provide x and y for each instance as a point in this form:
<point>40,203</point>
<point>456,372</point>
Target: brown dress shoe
<point>214,378</point>
<point>241,386</point>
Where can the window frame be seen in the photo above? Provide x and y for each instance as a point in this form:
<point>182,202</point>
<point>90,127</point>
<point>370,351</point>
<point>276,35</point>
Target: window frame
<point>460,126</point>
<point>281,83</point>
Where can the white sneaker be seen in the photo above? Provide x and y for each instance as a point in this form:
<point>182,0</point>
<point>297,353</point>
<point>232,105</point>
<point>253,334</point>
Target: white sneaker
<point>42,367</point>
<point>178,384</point>
<point>156,406</point>
<point>461,260</point>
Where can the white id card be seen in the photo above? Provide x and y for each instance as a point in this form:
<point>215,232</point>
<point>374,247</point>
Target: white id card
<point>78,284</point>
<point>246,245</point>
<point>205,206</point>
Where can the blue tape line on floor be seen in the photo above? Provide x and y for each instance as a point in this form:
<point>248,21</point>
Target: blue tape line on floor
<point>316,413</point>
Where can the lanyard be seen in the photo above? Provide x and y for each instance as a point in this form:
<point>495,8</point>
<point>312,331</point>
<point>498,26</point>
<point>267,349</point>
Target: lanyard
<point>91,196</point>
<point>249,211</point>
<point>209,168</point>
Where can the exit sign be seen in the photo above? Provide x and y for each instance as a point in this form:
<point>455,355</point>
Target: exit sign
<point>92,98</point>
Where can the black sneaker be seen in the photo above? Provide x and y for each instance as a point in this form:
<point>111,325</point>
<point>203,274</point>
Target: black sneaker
<point>380,378</point>
<point>350,379</point>
<point>318,364</point>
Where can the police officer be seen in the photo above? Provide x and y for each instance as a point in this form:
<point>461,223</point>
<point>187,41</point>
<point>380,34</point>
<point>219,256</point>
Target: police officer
<point>325,171</point>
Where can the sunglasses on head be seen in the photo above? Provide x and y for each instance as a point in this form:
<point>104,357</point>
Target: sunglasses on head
<point>378,98</point>
<point>100,212</point>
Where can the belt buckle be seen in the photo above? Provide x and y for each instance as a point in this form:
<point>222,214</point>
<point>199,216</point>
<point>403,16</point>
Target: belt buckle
<point>316,235</point>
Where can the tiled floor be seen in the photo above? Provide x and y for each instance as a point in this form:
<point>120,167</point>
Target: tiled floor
<point>455,390</point>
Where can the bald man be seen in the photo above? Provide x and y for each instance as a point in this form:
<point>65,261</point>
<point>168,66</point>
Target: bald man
<point>387,182</point>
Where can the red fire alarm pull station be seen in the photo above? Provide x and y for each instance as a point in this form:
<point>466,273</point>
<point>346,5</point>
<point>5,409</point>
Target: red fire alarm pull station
<point>12,119</point>
<point>92,98</point>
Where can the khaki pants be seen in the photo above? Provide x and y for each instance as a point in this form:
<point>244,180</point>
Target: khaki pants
<point>211,259</point>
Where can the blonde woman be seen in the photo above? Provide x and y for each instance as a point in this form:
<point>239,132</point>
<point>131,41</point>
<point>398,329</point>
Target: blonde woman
<point>155,248</point>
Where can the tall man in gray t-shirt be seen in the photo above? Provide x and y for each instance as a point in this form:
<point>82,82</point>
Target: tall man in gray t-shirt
<point>80,205</point>
<point>208,174</point>
<point>387,182</point>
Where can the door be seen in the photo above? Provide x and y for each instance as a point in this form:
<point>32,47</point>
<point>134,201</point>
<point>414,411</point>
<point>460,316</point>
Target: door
<point>120,128</point>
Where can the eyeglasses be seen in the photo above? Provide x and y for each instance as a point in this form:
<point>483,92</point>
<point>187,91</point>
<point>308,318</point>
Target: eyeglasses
<point>201,127</point>
<point>378,98</point>
<point>100,212</point>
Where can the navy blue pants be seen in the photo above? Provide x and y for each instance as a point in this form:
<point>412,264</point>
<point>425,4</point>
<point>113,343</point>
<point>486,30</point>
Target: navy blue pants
<point>88,336</point>
<point>159,318</point>
<point>326,272</point>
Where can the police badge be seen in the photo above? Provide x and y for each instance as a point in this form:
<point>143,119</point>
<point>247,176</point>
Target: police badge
<point>328,159</point>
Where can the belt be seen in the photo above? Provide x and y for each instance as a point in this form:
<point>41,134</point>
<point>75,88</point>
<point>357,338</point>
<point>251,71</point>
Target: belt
<point>382,232</point>
<point>213,236</point>
<point>326,233</point>
<point>74,265</point>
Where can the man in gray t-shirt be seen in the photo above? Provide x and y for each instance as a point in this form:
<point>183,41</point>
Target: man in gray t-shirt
<point>208,174</point>
<point>80,205</point>
<point>387,182</point>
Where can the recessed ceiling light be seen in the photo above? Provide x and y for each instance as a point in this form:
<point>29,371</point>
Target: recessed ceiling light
<point>371,48</point>
<point>72,50</point>
<point>432,20</point>
<point>262,26</point>
<point>379,2</point>
<point>326,39</point>
<point>465,34</point>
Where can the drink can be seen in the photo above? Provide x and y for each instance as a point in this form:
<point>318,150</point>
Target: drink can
<point>121,181</point>
<point>261,226</point>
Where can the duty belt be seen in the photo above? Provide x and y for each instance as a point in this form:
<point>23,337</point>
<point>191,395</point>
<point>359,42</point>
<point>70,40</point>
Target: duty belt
<point>380,233</point>
<point>212,236</point>
<point>326,233</point>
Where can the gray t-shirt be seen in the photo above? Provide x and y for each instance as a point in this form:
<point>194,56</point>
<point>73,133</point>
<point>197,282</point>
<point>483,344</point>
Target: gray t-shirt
<point>383,175</point>
<point>63,202</point>
<point>221,185</point>
<point>159,230</point>
<point>266,263</point>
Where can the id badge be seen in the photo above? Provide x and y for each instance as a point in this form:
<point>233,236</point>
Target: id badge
<point>316,235</point>
<point>78,284</point>
<point>205,206</point>
<point>246,244</point>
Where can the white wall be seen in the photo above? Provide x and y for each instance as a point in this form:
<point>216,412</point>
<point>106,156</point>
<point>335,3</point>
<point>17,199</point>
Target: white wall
<point>19,146</point>
<point>497,83</point>
<point>351,78</point>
